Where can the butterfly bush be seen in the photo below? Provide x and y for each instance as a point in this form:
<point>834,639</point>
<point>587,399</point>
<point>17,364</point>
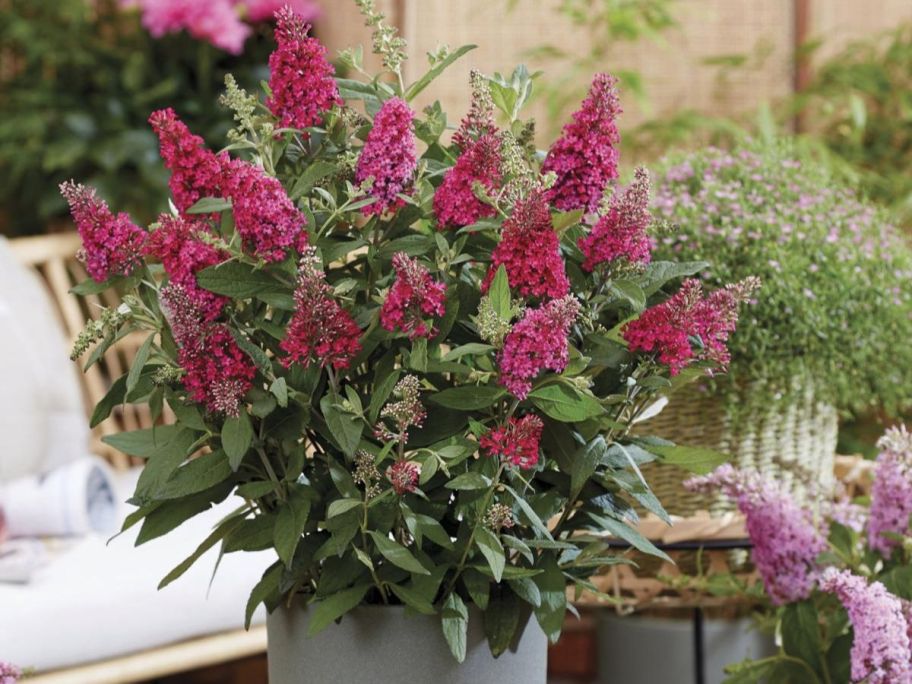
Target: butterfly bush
<point>809,550</point>
<point>385,344</point>
<point>837,296</point>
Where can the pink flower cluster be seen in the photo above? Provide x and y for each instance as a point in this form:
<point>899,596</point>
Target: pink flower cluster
<point>785,536</point>
<point>218,374</point>
<point>264,216</point>
<point>536,343</point>
<point>529,250</point>
<point>111,245</point>
<point>9,673</point>
<point>621,232</point>
<point>178,245</point>
<point>265,10</point>
<point>403,475</point>
<point>880,645</point>
<point>195,170</point>
<point>320,329</point>
<point>301,77</point>
<point>891,493</point>
<point>413,296</point>
<point>668,328</point>
<point>585,158</point>
<point>388,157</point>
<point>516,442</point>
<point>455,203</point>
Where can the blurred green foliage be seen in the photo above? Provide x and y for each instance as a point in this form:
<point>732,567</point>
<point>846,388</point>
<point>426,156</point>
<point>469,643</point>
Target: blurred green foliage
<point>77,82</point>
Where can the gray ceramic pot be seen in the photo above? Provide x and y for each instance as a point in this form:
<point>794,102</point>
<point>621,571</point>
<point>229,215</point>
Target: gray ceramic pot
<point>382,645</point>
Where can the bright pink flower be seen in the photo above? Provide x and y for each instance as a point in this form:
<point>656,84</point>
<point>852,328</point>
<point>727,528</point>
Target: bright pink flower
<point>320,330</point>
<point>264,216</point>
<point>265,10</point>
<point>668,328</point>
<point>413,296</point>
<point>585,157</point>
<point>9,673</point>
<point>455,203</point>
<point>536,343</point>
<point>479,120</point>
<point>880,643</point>
<point>196,171</point>
<point>388,156</point>
<point>218,373</point>
<point>111,245</point>
<point>786,539</point>
<point>403,475</point>
<point>891,493</point>
<point>516,442</point>
<point>529,249</point>
<point>178,243</point>
<point>621,233</point>
<point>215,21</point>
<point>301,77</point>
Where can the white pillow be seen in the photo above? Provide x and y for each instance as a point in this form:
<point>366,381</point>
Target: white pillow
<point>42,419</point>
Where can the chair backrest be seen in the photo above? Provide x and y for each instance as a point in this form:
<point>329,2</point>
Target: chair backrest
<point>53,257</point>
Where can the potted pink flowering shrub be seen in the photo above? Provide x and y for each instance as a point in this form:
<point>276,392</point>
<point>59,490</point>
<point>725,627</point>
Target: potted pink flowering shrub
<point>416,364</point>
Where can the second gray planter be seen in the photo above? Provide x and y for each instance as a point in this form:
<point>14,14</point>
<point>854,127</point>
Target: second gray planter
<point>381,645</point>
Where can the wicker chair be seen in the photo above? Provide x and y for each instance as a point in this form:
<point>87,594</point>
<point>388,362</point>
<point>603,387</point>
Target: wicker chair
<point>53,257</point>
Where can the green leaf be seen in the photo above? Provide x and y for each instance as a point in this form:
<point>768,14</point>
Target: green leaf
<point>345,428</point>
<point>455,621</point>
<point>412,91</point>
<point>564,219</point>
<point>530,513</point>
<point>198,474</point>
<point>469,481</point>
<point>214,538</point>
<point>468,397</point>
<point>209,205</point>
<point>289,526</point>
<point>628,534</point>
<point>340,506</point>
<point>478,586</point>
<point>114,397</point>
<point>335,606</point>
<point>501,620</point>
<point>585,461</point>
<point>413,599</point>
<point>237,436</point>
<point>169,514</point>
<point>161,464</point>
<point>313,173</point>
<point>492,550</point>
<point>237,280</point>
<point>418,358</point>
<point>527,590</point>
<point>143,443</point>
<point>564,403</point>
<point>473,348</point>
<point>801,634</point>
<point>700,460</point>
<point>552,589</point>
<point>253,350</point>
<point>139,362</point>
<point>660,272</point>
<point>279,389</point>
<point>499,294</point>
<point>381,393</point>
<point>397,554</point>
<point>268,585</point>
<point>630,292</point>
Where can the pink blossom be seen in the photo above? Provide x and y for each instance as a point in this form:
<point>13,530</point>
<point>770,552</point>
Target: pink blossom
<point>264,216</point>
<point>301,77</point>
<point>215,21</point>
<point>403,475</point>
<point>880,645</point>
<point>455,203</point>
<point>585,157</point>
<point>529,250</point>
<point>667,329</point>
<point>479,120</point>
<point>179,244</point>
<point>891,493</point>
<point>388,157</point>
<point>621,233</point>
<point>111,245</point>
<point>265,10</point>
<point>786,539</point>
<point>9,673</point>
<point>196,171</point>
<point>218,374</point>
<point>516,442</point>
<point>536,343</point>
<point>320,329</point>
<point>413,296</point>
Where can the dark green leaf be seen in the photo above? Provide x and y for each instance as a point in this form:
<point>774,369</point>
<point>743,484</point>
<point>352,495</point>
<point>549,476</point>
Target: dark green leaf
<point>412,91</point>
<point>335,606</point>
<point>564,403</point>
<point>268,585</point>
<point>469,481</point>
<point>139,362</point>
<point>501,620</point>
<point>698,460</point>
<point>198,474</point>
<point>455,621</point>
<point>801,634</point>
<point>214,538</point>
<point>397,554</point>
<point>209,205</point>
<point>289,526</point>
<point>468,397</point>
<point>585,462</point>
<point>492,550</point>
<point>413,599</point>
<point>345,427</point>
<point>237,436</point>
<point>236,280</point>
<point>552,588</point>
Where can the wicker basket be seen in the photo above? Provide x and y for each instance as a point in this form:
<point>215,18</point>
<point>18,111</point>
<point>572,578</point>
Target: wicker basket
<point>795,442</point>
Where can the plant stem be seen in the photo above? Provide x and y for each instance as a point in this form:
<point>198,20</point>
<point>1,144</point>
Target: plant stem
<point>373,570</point>
<point>280,492</point>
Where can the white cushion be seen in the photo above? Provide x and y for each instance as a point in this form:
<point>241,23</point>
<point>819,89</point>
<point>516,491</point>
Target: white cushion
<point>98,601</point>
<point>42,419</point>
